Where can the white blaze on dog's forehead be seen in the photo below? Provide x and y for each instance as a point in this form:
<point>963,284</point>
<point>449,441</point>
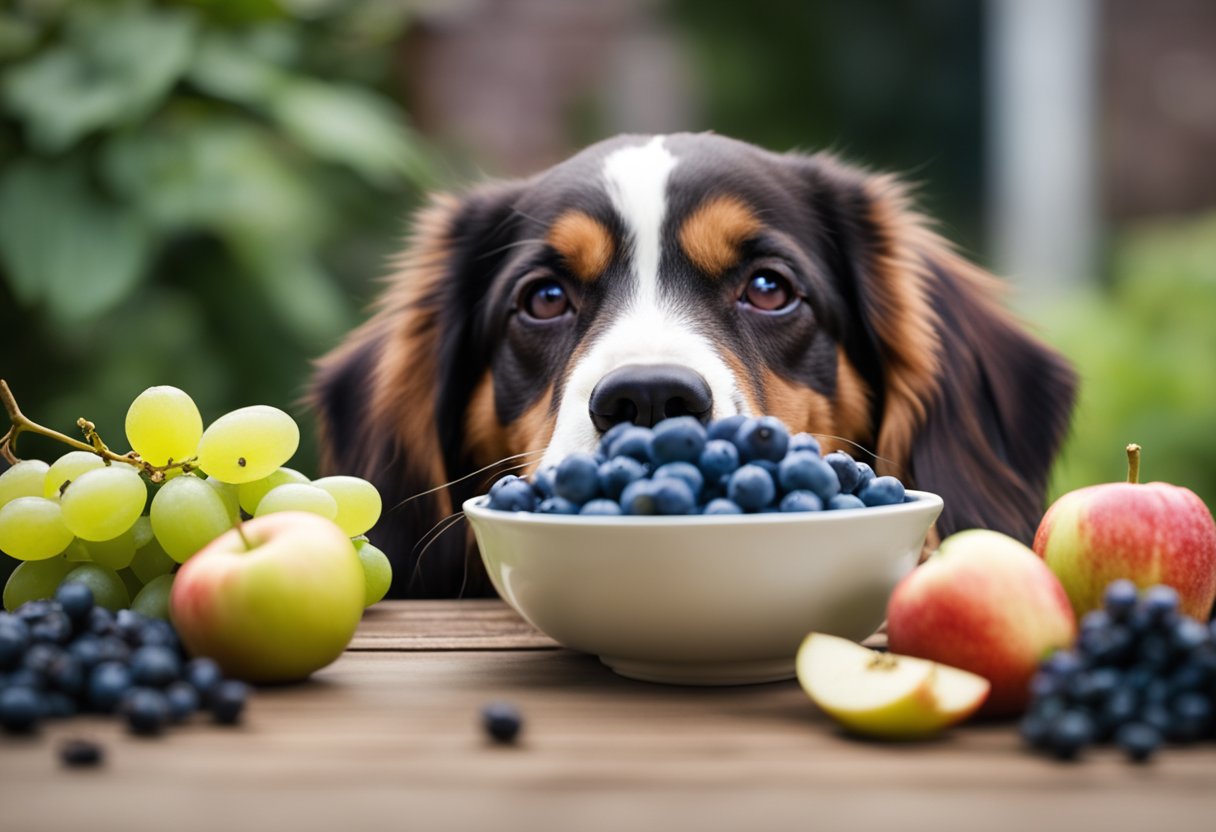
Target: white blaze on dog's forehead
<point>647,330</point>
<point>637,184</point>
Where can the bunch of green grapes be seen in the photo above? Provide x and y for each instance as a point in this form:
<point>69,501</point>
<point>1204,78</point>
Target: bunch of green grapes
<point>123,524</point>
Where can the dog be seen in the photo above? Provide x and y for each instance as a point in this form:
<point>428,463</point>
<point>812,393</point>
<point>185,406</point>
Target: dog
<point>652,276</point>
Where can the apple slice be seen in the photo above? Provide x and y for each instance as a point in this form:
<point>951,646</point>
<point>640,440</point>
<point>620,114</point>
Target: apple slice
<point>884,695</point>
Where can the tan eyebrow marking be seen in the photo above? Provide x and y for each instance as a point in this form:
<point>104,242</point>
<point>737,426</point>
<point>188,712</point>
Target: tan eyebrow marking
<point>583,242</point>
<point>712,235</point>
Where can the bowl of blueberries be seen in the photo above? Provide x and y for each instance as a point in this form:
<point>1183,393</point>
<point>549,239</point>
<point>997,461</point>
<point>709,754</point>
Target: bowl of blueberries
<point>701,554</point>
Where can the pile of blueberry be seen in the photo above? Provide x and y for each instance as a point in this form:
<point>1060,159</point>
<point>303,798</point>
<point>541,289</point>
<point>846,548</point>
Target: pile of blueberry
<point>66,655</point>
<point>1142,674</point>
<point>735,465</point>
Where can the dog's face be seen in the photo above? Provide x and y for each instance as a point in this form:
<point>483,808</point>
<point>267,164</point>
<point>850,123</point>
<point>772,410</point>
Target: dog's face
<point>691,274</point>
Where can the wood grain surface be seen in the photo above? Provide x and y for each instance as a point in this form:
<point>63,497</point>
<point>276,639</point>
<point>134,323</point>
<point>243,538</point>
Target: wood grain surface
<point>388,737</point>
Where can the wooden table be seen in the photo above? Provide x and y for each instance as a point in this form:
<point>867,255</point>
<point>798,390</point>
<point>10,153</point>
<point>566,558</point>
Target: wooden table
<point>388,737</point>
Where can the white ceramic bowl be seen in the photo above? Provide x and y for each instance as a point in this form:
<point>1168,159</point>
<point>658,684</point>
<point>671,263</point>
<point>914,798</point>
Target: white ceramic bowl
<point>718,600</point>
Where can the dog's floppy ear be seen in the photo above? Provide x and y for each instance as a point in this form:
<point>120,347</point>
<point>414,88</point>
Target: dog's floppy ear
<point>389,399</point>
<point>969,404</point>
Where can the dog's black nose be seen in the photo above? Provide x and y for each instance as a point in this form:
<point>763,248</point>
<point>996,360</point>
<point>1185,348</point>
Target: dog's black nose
<point>645,394</point>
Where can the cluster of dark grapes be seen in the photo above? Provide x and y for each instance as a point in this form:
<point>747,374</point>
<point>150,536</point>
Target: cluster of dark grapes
<point>1142,674</point>
<point>66,655</point>
<point>736,465</point>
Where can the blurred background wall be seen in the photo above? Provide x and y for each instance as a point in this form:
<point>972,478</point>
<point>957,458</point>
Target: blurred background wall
<point>203,192</point>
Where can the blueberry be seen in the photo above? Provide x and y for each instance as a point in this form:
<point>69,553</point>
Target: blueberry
<point>183,700</point>
<point>1188,635</point>
<point>617,473</point>
<point>1120,599</point>
<point>1095,620</point>
<point>1034,730</point>
<point>638,498</point>
<point>107,684</point>
<point>883,491</point>
<point>673,496</point>
<point>685,471</point>
<point>720,458</point>
<point>542,483</point>
<point>101,621</point>
<point>680,439</point>
<point>228,701</point>
<point>1061,663</point>
<point>20,709</point>
<point>114,649</point>
<point>52,628</point>
<point>31,610</point>
<point>1160,602</point>
<point>23,677</point>
<point>846,470</point>
<point>66,674</point>
<point>515,495</point>
<point>157,632</point>
<point>633,441</point>
<point>155,666</point>
<point>803,442</point>
<point>147,711</point>
<point>611,435</point>
<point>721,505</point>
<point>14,639</point>
<point>763,438</point>
<point>1190,677</point>
<point>1069,733</point>
<point>557,505</point>
<point>801,501</point>
<point>726,427</point>
<point>601,508</point>
<point>576,478</point>
<point>1120,707</point>
<point>501,483</point>
<point>805,471</point>
<point>204,676</point>
<point>865,476</point>
<point>1045,684</point>
<point>1158,716</point>
<point>76,599</point>
<point>58,705</point>
<point>77,752</point>
<point>842,501</point>
<point>1138,740</point>
<point>1192,717</point>
<point>502,722</point>
<point>751,488</point>
<point>130,626</point>
<point>39,658</point>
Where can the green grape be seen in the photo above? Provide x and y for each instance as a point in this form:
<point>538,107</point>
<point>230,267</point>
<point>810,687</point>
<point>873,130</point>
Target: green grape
<point>34,579</point>
<point>247,444</point>
<point>187,514</point>
<point>77,552</point>
<point>358,502</point>
<point>108,589</point>
<point>150,561</point>
<point>32,528</point>
<point>67,468</point>
<point>25,479</point>
<point>153,599</point>
<point>115,553</point>
<point>142,532</point>
<point>163,424</point>
<point>251,493</point>
<point>298,496</point>
<point>377,572</point>
<point>132,582</point>
<point>228,493</point>
<point>102,504</point>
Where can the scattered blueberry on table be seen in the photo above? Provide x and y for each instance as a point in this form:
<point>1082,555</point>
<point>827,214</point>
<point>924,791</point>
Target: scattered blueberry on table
<point>735,465</point>
<point>502,722</point>
<point>1142,675</point>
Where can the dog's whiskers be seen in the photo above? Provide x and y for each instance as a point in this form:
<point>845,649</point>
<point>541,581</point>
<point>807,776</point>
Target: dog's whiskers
<point>434,533</point>
<point>489,467</point>
<point>861,448</point>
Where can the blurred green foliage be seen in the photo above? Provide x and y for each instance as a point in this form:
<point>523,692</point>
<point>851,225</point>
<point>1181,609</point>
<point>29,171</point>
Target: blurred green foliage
<point>192,193</point>
<point>1146,353</point>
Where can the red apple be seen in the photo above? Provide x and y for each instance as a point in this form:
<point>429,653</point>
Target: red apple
<point>274,610</point>
<point>986,604</point>
<point>1150,533</point>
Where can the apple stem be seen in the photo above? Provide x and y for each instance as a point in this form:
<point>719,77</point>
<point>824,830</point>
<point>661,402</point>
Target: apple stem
<point>240,530</point>
<point>1133,463</point>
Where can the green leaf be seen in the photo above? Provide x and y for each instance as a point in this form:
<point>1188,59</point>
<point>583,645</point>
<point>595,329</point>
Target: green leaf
<point>64,246</point>
<point>113,66</point>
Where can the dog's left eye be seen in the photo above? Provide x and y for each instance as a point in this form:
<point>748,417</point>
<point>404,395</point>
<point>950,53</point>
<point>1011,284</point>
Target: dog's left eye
<point>545,299</point>
<point>768,291</point>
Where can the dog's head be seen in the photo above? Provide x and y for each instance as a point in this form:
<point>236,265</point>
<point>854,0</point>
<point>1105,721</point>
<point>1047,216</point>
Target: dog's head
<point>655,276</point>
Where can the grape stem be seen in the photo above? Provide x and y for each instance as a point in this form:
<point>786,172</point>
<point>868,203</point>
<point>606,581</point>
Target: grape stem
<point>23,424</point>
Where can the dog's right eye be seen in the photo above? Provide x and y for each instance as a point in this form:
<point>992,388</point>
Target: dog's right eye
<point>545,299</point>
